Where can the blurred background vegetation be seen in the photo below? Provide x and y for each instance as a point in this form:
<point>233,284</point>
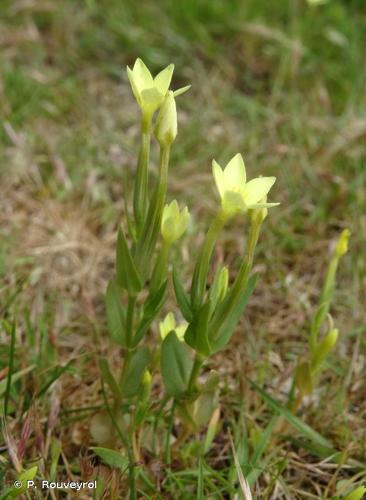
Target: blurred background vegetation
<point>281,82</point>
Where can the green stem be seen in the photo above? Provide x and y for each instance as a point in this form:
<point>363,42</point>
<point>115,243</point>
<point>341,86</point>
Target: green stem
<point>160,269</point>
<point>124,440</point>
<point>197,363</point>
<point>129,319</point>
<point>140,198</point>
<point>199,279</point>
<point>324,302</point>
<point>129,338</point>
<point>151,229</point>
<point>226,308</point>
<point>157,417</point>
<point>169,432</point>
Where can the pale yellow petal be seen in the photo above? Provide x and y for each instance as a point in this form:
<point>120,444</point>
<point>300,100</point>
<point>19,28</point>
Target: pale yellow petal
<point>181,330</point>
<point>233,203</point>
<point>142,76</point>
<point>135,90</point>
<point>163,79</point>
<point>167,325</point>
<point>183,222</point>
<point>234,173</point>
<point>174,209</point>
<point>256,189</point>
<point>151,100</point>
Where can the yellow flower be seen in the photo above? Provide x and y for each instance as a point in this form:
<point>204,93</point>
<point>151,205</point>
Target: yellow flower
<point>166,125</point>
<point>168,325</point>
<point>174,223</point>
<point>236,194</point>
<point>149,92</point>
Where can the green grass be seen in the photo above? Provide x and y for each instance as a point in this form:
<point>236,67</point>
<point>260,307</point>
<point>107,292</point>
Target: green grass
<point>283,83</point>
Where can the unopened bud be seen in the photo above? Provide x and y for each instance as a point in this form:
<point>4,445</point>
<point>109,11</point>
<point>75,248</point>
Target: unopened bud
<point>166,126</point>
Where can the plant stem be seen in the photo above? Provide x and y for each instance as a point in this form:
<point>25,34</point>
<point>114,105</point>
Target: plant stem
<point>197,363</point>
<point>160,269</point>
<point>127,444</point>
<point>140,198</point>
<point>324,302</point>
<point>199,279</point>
<point>129,319</point>
<point>226,308</point>
<point>169,431</point>
<point>150,232</point>
<point>129,337</point>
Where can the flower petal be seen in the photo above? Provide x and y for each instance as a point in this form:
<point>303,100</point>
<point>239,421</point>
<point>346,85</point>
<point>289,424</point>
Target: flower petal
<point>234,173</point>
<point>151,99</point>
<point>163,79</point>
<point>142,75</point>
<point>256,189</point>
<point>135,90</point>
<point>233,203</point>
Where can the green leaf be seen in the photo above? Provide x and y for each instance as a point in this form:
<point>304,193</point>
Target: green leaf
<point>127,275</point>
<point>23,477</point>
<point>176,365</point>
<point>56,449</point>
<point>109,379</point>
<point>151,309</point>
<point>298,424</point>
<point>218,289</point>
<point>182,296</point>
<point>318,320</point>
<point>115,314</point>
<point>356,494</point>
<point>323,348</point>
<point>112,458</point>
<point>135,371</point>
<point>196,335</point>
<point>253,470</point>
<point>227,328</point>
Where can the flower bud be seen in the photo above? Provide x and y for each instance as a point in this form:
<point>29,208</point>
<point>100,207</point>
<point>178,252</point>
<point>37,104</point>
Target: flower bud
<point>174,223</point>
<point>222,285</point>
<point>342,244</point>
<point>166,126</point>
<point>323,349</point>
<point>219,286</point>
<point>146,386</point>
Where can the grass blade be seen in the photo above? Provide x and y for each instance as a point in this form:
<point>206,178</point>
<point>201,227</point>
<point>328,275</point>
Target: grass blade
<point>298,424</point>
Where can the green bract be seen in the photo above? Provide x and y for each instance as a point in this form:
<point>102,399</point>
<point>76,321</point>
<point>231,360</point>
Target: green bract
<point>236,194</point>
<point>174,222</point>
